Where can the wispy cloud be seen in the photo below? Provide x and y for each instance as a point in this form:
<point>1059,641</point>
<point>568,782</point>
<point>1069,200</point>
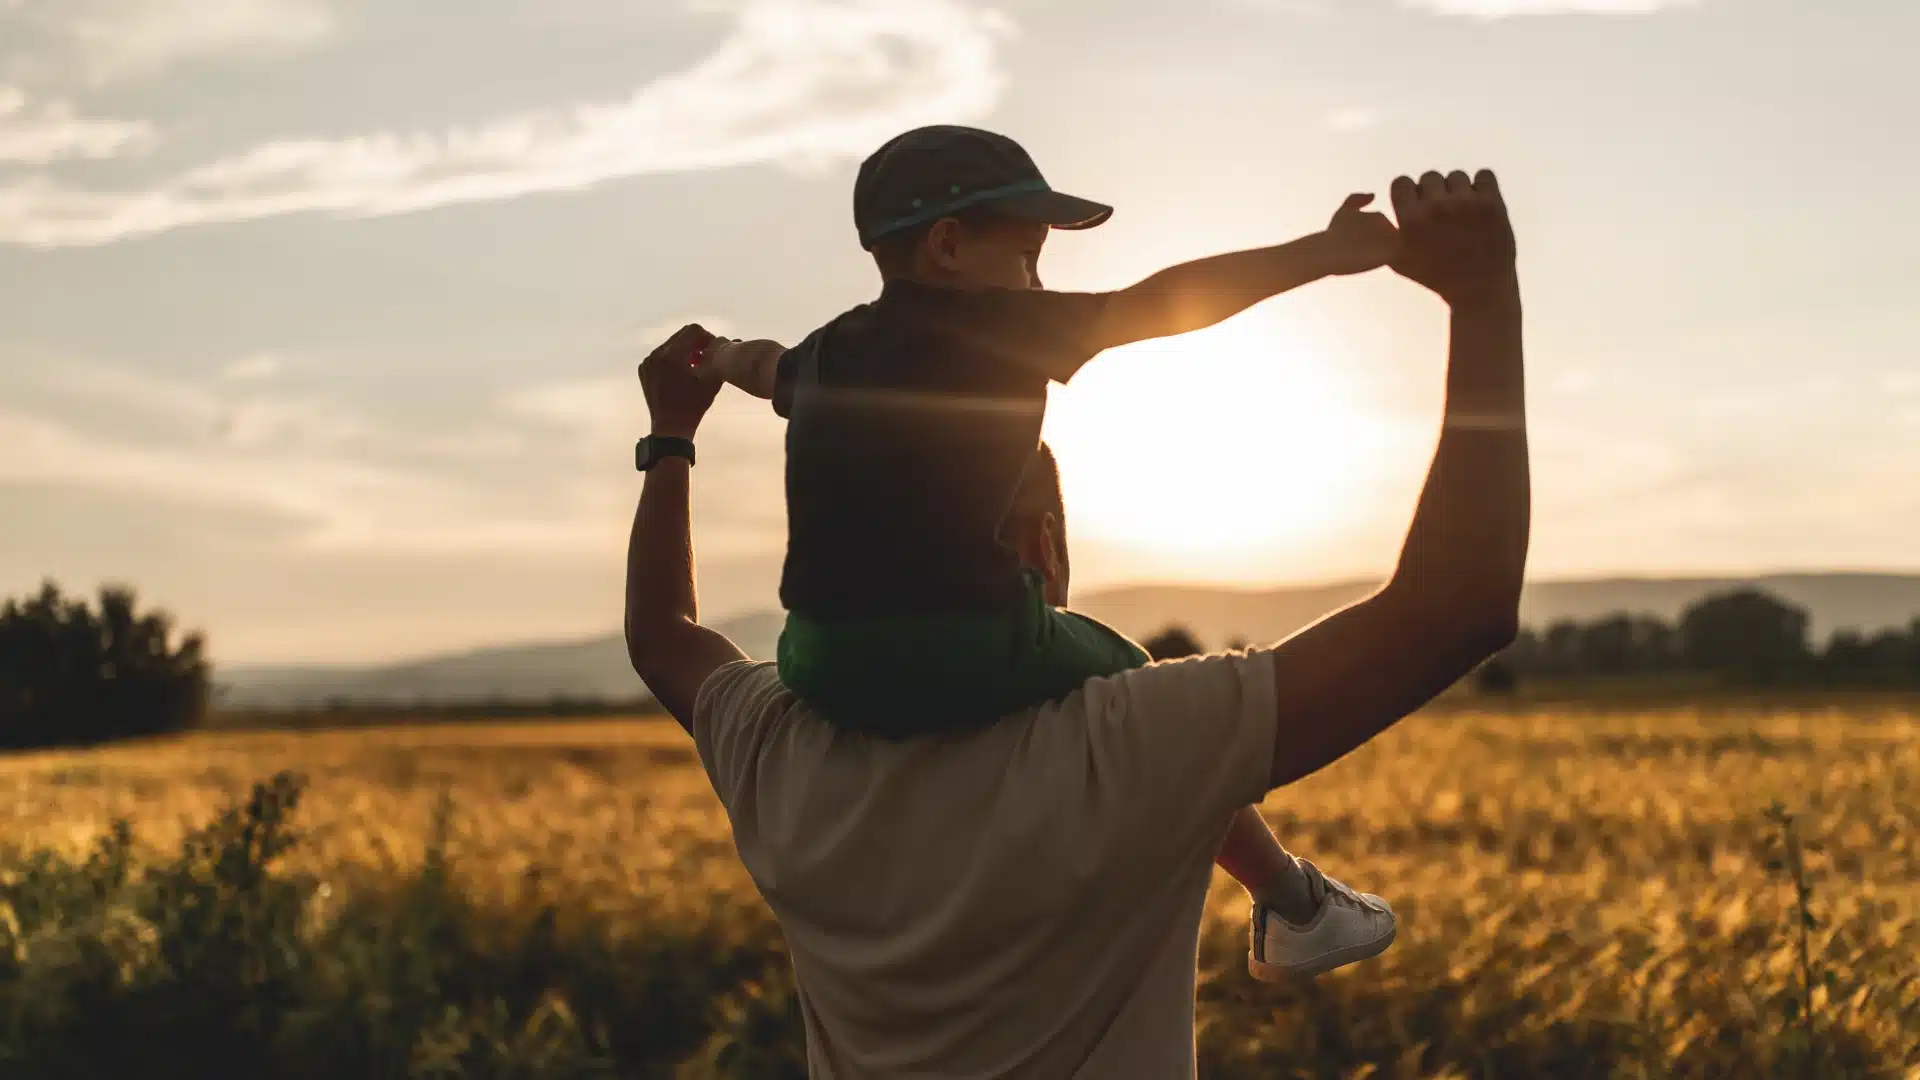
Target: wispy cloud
<point>1351,118</point>
<point>107,40</point>
<point>1305,9</point>
<point>1479,9</point>
<point>796,81</point>
<point>543,470</point>
<point>1500,9</point>
<point>257,366</point>
<point>46,132</point>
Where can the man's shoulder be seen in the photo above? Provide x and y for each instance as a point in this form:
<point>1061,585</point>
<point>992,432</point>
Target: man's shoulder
<point>737,696</point>
<point>733,712</point>
<point>742,684</point>
<point>1175,685</point>
<point>1195,705</point>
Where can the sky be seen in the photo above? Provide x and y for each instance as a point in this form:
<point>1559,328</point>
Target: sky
<point>319,318</point>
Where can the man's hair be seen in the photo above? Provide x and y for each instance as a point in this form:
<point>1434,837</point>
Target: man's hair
<point>894,252</point>
<point>1039,492</point>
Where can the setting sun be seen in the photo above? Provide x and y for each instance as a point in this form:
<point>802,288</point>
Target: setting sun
<point>1220,445</point>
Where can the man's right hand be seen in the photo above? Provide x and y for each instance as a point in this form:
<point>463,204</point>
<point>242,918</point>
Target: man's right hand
<point>1455,236</point>
<point>677,395</point>
<point>670,651</point>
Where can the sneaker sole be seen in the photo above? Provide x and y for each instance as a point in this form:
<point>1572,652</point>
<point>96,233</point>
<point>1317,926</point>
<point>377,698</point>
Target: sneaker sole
<point>1320,965</point>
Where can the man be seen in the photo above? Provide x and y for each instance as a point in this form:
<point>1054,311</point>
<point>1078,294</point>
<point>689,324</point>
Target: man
<point>1025,899</point>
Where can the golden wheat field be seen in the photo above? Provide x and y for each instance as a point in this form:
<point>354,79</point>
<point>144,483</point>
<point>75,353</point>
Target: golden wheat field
<point>1582,893</point>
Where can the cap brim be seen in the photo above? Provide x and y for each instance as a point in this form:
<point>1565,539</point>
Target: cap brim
<point>1058,209</point>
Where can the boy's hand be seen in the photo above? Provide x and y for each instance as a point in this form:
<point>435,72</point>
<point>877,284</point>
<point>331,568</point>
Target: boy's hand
<point>1357,239</point>
<point>677,397</point>
<point>1458,237</point>
<point>750,365</point>
<point>712,362</point>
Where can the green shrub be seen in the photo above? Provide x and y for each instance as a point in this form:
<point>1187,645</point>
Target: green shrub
<point>215,962</point>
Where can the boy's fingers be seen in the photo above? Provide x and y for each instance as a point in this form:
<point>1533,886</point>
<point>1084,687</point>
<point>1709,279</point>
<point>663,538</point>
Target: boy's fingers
<point>1356,202</point>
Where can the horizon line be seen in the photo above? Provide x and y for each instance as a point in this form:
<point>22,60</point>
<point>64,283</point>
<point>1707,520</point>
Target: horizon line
<point>590,637</point>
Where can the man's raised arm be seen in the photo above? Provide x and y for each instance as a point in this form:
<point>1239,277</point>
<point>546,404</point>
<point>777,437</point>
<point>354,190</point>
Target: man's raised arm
<point>1454,598</point>
<point>672,653</point>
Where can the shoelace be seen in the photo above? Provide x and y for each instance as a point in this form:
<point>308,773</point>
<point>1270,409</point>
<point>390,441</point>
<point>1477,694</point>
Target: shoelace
<point>1332,887</point>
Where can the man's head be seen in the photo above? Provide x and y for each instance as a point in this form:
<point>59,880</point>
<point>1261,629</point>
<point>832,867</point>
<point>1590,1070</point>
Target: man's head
<point>1036,526</point>
<point>961,208</point>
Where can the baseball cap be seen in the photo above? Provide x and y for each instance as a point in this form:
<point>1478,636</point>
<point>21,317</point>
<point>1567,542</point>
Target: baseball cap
<point>932,172</point>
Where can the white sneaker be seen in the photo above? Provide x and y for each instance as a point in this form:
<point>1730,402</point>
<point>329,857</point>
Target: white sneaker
<point>1349,927</point>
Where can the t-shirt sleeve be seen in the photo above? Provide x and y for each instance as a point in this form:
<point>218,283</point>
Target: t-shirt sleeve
<point>731,713</point>
<point>1182,745</point>
<point>1051,334</point>
<point>793,365</point>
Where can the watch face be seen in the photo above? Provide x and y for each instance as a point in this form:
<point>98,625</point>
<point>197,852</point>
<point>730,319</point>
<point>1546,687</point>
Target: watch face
<point>643,454</point>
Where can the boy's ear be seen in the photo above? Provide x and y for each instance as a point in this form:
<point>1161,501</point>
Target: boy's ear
<point>942,243</point>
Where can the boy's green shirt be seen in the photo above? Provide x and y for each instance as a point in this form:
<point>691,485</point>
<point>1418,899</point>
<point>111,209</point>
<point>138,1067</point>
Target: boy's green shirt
<point>905,675</point>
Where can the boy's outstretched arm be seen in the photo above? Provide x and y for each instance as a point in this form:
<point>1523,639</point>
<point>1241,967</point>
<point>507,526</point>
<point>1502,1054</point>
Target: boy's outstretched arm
<point>749,365</point>
<point>1198,294</point>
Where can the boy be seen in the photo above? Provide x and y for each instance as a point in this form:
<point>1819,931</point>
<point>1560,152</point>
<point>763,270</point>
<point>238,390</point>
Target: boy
<point>913,421</point>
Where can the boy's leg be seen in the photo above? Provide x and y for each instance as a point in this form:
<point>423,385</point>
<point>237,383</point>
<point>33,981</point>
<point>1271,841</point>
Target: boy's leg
<point>1254,857</point>
<point>1303,921</point>
<point>1250,854</point>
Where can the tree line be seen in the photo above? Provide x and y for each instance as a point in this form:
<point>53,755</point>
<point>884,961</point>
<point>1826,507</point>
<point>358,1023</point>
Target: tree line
<point>1738,638</point>
<point>74,672</point>
<point>1742,637</point>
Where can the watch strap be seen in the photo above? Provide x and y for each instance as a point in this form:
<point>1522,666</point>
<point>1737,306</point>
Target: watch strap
<point>651,450</point>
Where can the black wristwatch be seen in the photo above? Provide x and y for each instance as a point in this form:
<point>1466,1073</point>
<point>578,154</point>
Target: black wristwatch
<point>653,449</point>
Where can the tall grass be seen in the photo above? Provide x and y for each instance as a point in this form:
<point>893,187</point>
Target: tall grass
<point>1611,896</point>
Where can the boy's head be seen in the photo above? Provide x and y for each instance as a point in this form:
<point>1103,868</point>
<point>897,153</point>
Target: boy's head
<point>974,249</point>
<point>961,208</point>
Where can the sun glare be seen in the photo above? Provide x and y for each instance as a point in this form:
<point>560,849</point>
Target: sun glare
<point>1220,446</point>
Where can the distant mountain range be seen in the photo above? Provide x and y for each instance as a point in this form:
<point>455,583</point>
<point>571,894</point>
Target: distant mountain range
<point>593,667</point>
<point>597,667</point>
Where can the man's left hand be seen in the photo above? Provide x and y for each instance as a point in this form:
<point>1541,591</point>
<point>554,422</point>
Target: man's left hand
<point>678,395</point>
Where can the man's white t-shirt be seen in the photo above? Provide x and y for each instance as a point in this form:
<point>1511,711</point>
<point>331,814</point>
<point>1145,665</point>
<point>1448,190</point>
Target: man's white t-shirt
<point>1019,901</point>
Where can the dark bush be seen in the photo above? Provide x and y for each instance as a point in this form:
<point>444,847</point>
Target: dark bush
<point>1173,643</point>
<point>76,674</point>
<point>1746,635</point>
<point>1496,677</point>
